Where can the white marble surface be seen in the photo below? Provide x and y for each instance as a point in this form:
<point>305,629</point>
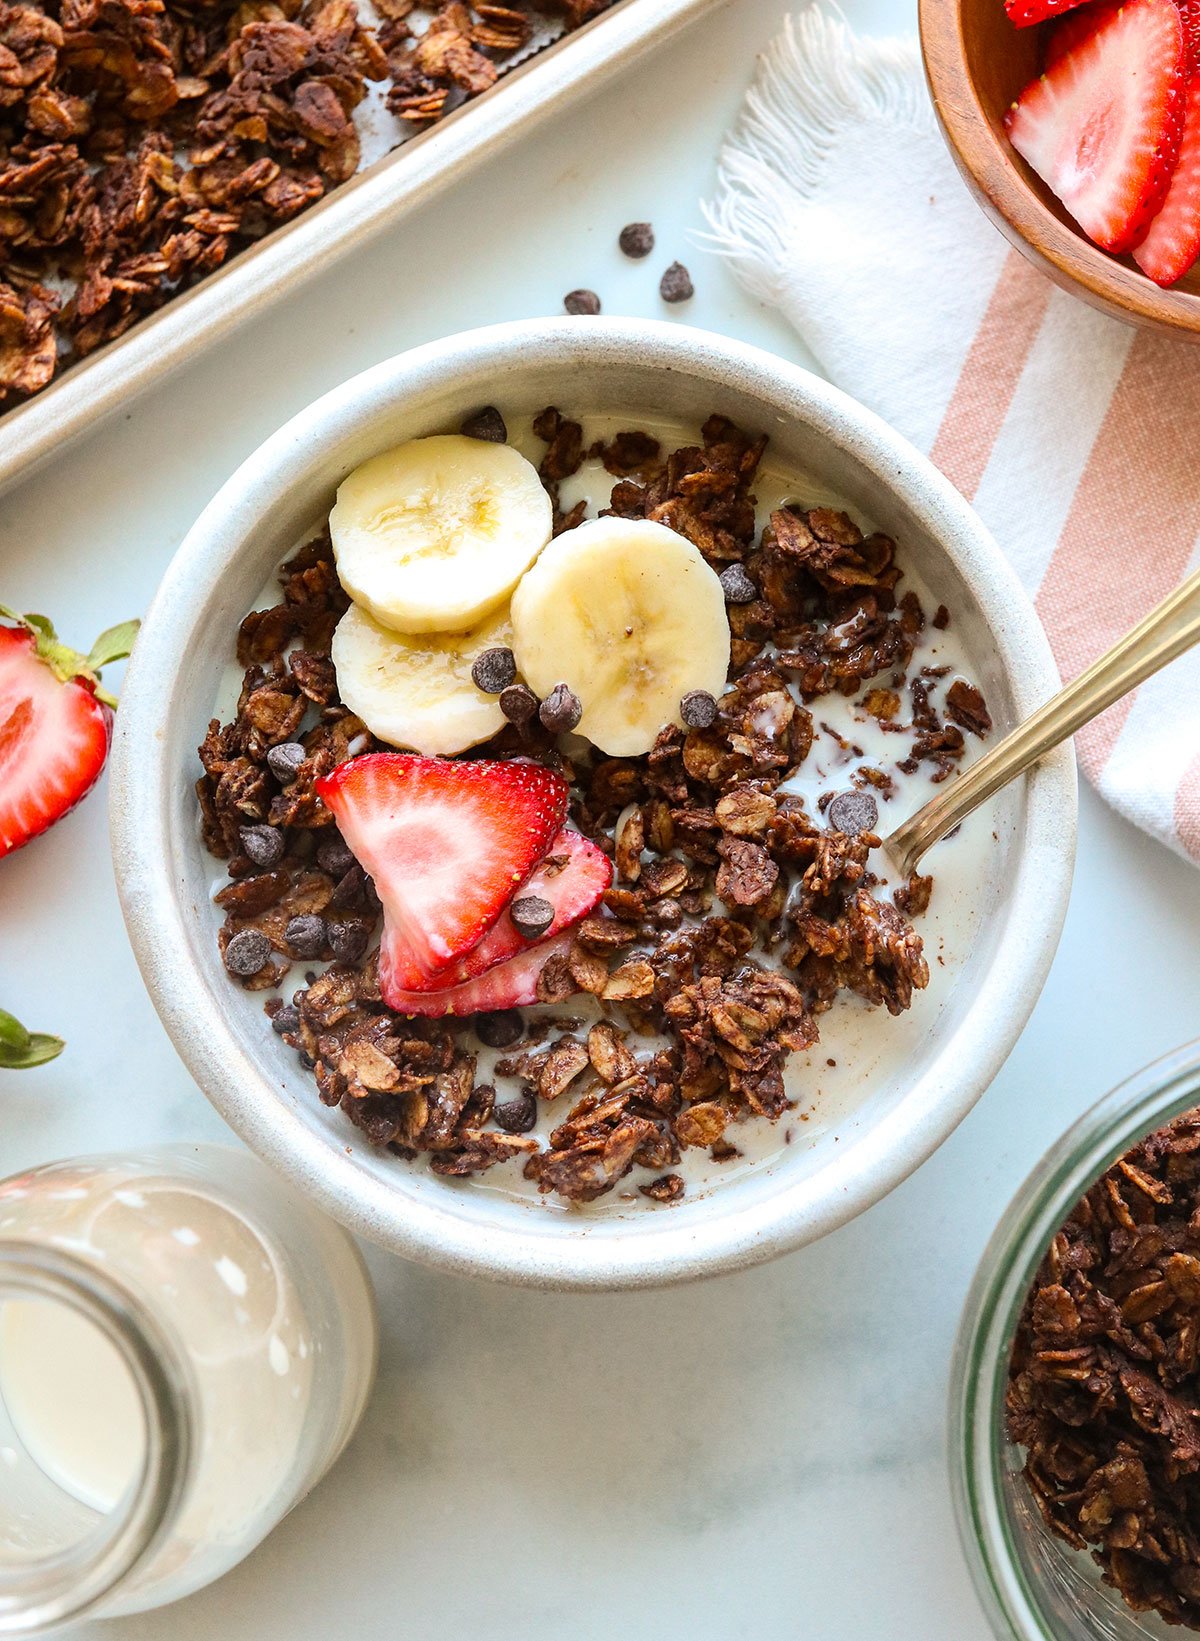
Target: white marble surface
<point>761,1456</point>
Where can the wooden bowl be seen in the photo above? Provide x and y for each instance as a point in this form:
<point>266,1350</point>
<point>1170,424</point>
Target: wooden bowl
<point>976,63</point>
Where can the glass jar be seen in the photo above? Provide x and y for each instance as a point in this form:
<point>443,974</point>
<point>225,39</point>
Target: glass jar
<point>185,1348</point>
<point>1032,1585</point>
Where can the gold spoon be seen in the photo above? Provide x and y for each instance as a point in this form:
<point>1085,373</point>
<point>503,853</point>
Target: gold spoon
<point>1171,628</point>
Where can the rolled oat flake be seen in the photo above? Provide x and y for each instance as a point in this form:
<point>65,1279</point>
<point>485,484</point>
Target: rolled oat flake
<point>247,952</point>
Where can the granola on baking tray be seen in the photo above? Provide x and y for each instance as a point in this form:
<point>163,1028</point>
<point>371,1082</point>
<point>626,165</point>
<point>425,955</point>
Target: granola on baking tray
<point>145,142</point>
<point>663,1019</point>
<point>1102,1391</point>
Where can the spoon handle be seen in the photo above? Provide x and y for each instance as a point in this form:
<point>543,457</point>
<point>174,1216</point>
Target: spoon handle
<point>1171,627</point>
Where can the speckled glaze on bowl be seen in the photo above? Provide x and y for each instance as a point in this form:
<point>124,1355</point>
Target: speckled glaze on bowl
<point>165,876</point>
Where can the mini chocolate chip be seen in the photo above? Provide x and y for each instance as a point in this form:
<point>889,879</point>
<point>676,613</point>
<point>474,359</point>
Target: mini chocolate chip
<point>853,812</point>
<point>560,710</point>
<point>347,941</point>
<point>349,891</point>
<point>737,585</point>
<point>516,1116</point>
<point>518,703</point>
<point>333,856</point>
<point>500,1029</point>
<point>247,952</point>
<point>636,239</point>
<point>286,1019</point>
<point>284,761</point>
<point>698,709</point>
<point>676,284</point>
<point>264,845</point>
<point>305,935</point>
<point>494,670</point>
<point>487,424</point>
<point>581,302</point>
<point>531,916</point>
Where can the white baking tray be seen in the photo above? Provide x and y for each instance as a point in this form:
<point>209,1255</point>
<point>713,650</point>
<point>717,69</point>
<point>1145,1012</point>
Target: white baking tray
<point>345,220</point>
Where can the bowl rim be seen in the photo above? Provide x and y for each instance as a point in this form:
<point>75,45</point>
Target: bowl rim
<point>143,847</point>
<point>989,167</point>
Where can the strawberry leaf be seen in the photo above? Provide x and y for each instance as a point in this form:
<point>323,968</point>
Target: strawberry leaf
<point>20,1050</point>
<point>113,645</point>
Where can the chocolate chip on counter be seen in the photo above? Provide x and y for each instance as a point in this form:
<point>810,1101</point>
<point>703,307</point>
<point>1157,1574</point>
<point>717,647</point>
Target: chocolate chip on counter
<point>518,703</point>
<point>286,1019</point>
<point>284,761</point>
<point>333,856</point>
<point>347,941</point>
<point>494,670</point>
<point>305,935</point>
<point>698,709</point>
<point>636,239</point>
<point>737,585</point>
<point>581,302</point>
<point>560,711</point>
<point>500,1029</point>
<point>516,1116</point>
<point>264,845</point>
<point>487,424</point>
<point>853,812</point>
<point>676,284</point>
<point>247,952</point>
<point>531,916</point>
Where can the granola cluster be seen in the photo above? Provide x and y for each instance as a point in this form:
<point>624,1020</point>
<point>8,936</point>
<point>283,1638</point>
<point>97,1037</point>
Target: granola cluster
<point>1103,1380</point>
<point>144,142</point>
<point>735,917</point>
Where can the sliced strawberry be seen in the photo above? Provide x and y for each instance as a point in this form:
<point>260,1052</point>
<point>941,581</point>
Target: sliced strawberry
<point>572,878</point>
<point>446,843</point>
<point>1102,126</point>
<point>1075,28</point>
<point>1024,13</point>
<point>55,723</point>
<point>1172,242</point>
<point>1189,16</point>
<point>509,985</point>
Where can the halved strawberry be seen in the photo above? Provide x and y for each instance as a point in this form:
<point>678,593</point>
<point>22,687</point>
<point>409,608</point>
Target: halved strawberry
<point>446,843</point>
<point>55,723</point>
<point>572,878</point>
<point>1075,28</point>
<point>1172,242</point>
<point>1102,126</point>
<point>1189,16</point>
<point>509,985</point>
<point>1024,13</point>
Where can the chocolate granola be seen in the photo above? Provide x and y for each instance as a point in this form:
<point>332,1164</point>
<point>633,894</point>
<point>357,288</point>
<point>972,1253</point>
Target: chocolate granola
<point>1102,1387</point>
<point>735,918</point>
<point>145,142</point>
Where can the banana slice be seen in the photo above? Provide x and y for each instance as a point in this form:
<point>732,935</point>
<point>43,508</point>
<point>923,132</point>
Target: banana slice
<point>628,614</point>
<point>415,691</point>
<point>434,534</point>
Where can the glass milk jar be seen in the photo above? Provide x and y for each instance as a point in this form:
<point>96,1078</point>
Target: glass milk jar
<point>185,1348</point>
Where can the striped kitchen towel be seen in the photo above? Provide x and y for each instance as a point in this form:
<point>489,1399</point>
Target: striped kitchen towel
<point>1076,438</point>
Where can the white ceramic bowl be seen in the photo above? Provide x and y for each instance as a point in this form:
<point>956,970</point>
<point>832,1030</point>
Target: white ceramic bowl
<point>165,876</point>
